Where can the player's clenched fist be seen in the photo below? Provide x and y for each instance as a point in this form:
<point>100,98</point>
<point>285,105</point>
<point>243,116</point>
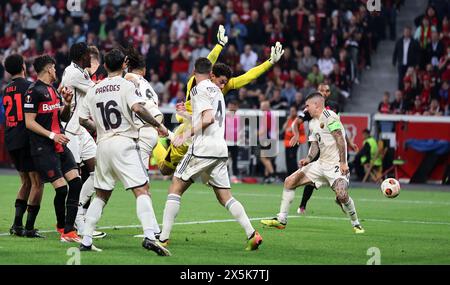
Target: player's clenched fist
<point>303,162</point>
<point>61,139</point>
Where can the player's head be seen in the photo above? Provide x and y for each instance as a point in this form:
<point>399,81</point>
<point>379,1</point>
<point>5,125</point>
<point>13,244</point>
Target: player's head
<point>115,61</point>
<point>366,133</point>
<point>95,53</point>
<point>324,89</point>
<point>14,64</point>
<point>136,62</point>
<point>45,67</point>
<point>315,103</point>
<point>80,54</point>
<point>202,67</point>
<point>221,73</point>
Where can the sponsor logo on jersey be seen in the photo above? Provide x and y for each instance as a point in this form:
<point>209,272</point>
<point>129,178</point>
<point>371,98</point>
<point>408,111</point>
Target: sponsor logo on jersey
<point>47,107</point>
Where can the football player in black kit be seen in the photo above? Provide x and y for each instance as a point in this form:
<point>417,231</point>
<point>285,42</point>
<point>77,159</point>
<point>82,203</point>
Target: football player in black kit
<point>18,146</point>
<point>44,109</point>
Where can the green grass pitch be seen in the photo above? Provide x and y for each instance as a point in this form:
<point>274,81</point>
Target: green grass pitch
<point>413,228</point>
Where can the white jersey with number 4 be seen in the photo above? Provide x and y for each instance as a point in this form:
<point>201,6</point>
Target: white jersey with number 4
<point>210,143</point>
<point>109,104</point>
<point>320,131</point>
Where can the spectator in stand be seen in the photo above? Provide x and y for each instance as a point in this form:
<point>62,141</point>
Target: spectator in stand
<point>398,106</point>
<point>237,32</point>
<point>417,108</point>
<point>157,85</point>
<point>326,62</point>
<point>427,91</point>
<point>385,107</point>
<point>76,37</point>
<point>180,56</point>
<point>409,92</point>
<point>307,62</point>
<point>248,59</point>
<point>277,102</point>
<point>444,98</point>
<point>299,102</point>
<point>180,27</point>
<point>199,51</point>
<point>435,50</point>
<point>292,148</point>
<point>434,109</point>
<point>172,87</point>
<point>406,54</point>
<point>315,77</point>
<point>256,34</point>
<point>289,92</point>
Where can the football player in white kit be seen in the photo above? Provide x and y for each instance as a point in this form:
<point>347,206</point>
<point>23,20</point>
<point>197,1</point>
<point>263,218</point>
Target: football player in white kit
<point>148,136</point>
<point>207,156</point>
<point>327,136</point>
<point>81,143</point>
<point>112,105</point>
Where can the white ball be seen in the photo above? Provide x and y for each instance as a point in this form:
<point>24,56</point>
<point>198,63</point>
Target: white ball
<point>390,188</point>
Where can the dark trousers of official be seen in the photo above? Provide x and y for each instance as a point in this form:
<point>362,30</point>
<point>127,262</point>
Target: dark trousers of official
<point>359,168</point>
<point>234,150</point>
<point>291,159</point>
<point>401,73</point>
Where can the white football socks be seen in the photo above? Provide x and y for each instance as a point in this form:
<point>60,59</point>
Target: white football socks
<point>86,193</point>
<point>170,212</point>
<point>349,207</point>
<point>146,215</point>
<point>93,215</point>
<point>286,201</point>
<point>237,210</point>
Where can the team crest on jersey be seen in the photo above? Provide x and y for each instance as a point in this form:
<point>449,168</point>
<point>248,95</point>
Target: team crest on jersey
<point>322,125</point>
<point>28,99</point>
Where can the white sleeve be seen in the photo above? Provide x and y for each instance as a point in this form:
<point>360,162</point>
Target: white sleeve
<point>133,95</point>
<point>79,81</point>
<point>202,100</point>
<point>312,137</point>
<point>83,111</point>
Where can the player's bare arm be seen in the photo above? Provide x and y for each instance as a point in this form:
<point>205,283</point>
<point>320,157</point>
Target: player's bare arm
<point>295,125</point>
<point>313,152</point>
<point>145,115</point>
<point>207,120</point>
<point>32,125</point>
<point>340,143</point>
<point>67,94</point>
<point>351,144</point>
<point>88,124</point>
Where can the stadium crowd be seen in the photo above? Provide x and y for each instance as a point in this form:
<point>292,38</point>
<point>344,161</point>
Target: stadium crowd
<point>325,41</point>
<point>424,70</point>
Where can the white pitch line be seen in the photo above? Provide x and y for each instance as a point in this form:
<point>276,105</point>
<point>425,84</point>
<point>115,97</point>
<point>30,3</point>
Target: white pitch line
<point>381,200</point>
<point>255,219</point>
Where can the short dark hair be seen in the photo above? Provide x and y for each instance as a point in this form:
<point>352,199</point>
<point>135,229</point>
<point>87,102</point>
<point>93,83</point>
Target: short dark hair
<point>42,61</point>
<point>114,60</point>
<point>78,50</point>
<point>221,69</point>
<point>313,95</point>
<point>135,59</point>
<point>367,131</point>
<point>14,64</point>
<point>202,66</point>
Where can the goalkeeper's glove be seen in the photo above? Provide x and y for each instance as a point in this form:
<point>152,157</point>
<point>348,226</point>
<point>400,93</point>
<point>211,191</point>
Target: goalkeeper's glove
<point>222,39</point>
<point>276,52</point>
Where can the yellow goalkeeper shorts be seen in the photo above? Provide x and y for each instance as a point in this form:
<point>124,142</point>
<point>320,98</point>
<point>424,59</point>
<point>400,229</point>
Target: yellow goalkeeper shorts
<point>175,154</point>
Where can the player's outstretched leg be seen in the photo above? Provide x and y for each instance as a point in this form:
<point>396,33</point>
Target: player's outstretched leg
<point>93,215</point>
<point>290,184</point>
<point>340,187</point>
<point>254,239</point>
<point>307,193</point>
<point>146,215</point>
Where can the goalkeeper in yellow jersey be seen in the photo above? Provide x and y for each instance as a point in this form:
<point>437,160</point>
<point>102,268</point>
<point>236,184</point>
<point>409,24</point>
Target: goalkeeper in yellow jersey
<point>169,158</point>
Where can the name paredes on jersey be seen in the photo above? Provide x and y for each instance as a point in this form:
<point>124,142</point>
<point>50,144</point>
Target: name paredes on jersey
<point>107,88</point>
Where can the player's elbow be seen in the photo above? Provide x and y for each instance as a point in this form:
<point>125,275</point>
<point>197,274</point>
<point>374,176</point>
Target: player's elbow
<point>137,108</point>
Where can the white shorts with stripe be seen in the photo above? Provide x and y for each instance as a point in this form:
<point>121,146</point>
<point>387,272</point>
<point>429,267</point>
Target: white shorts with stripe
<point>322,173</point>
<point>118,158</point>
<point>82,146</point>
<point>148,138</point>
<point>212,171</point>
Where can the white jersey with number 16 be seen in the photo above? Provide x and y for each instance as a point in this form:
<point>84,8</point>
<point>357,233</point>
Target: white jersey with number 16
<point>109,104</point>
<point>209,143</point>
